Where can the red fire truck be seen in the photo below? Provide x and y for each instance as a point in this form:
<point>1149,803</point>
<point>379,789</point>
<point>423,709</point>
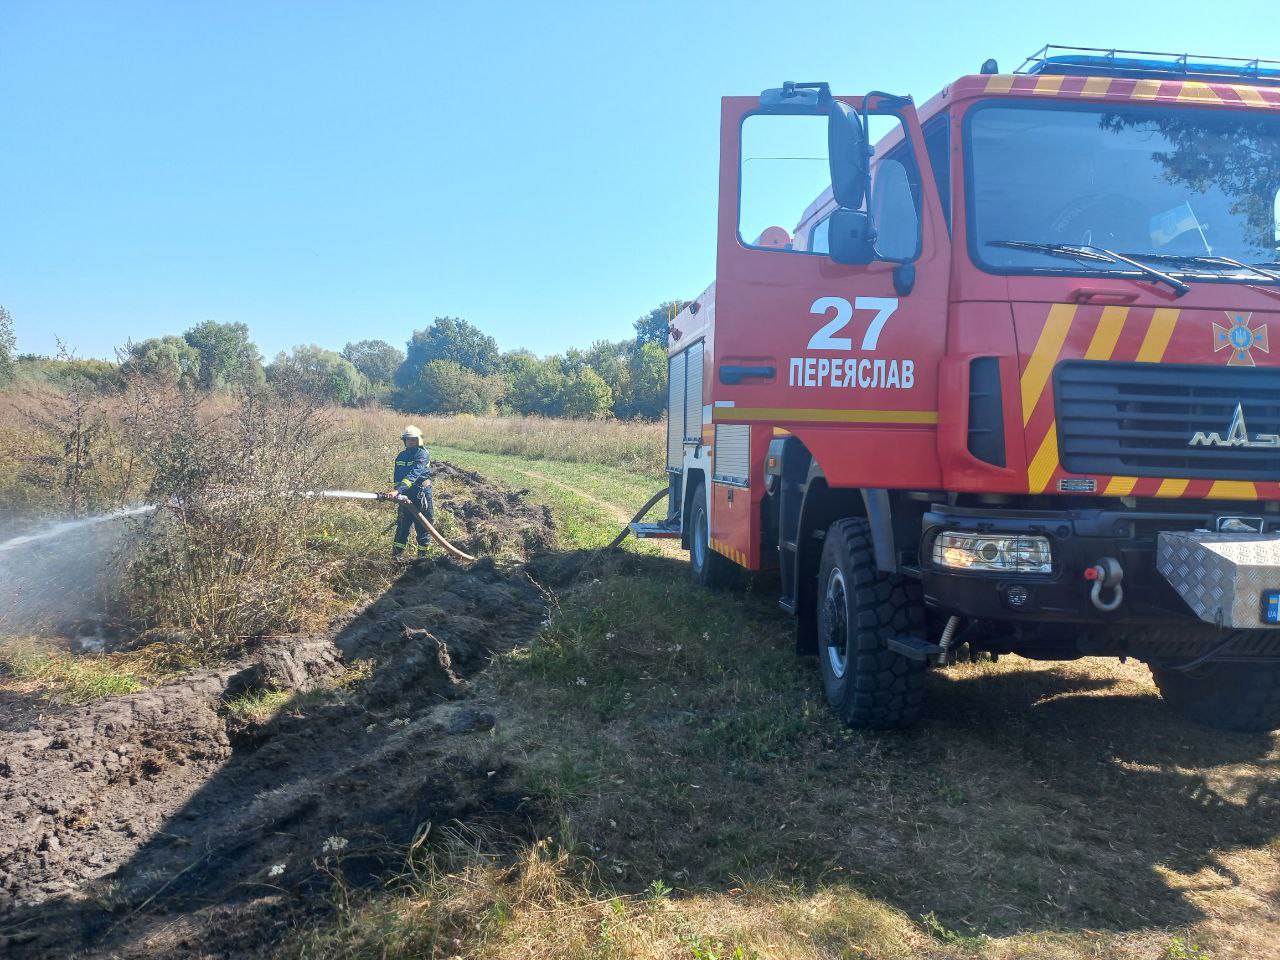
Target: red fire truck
<point>1003,383</point>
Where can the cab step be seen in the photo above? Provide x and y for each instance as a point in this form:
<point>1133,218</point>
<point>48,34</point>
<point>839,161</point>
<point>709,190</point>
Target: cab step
<point>665,529</point>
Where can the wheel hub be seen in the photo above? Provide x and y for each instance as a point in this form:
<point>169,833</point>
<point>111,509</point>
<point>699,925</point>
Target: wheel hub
<point>835,635</point>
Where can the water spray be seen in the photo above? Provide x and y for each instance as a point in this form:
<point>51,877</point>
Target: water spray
<point>69,526</point>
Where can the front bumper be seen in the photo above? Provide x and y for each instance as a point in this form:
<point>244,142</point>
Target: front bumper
<point>1078,539</point>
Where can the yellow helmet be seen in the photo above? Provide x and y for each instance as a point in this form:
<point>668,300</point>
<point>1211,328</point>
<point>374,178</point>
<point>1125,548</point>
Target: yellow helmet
<point>411,432</point>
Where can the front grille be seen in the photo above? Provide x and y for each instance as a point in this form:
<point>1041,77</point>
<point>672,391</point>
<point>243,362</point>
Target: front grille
<point>1137,419</point>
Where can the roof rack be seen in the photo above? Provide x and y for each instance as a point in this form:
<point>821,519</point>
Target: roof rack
<point>1148,64</point>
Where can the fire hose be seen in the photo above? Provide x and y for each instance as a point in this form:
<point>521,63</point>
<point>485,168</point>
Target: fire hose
<point>449,548</point>
<point>622,535</point>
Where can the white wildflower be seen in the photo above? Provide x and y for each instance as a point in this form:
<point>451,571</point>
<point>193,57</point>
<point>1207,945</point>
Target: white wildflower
<point>276,870</point>
<point>335,844</point>
<point>400,722</point>
<point>610,635</point>
<point>581,681</point>
<point>370,728</point>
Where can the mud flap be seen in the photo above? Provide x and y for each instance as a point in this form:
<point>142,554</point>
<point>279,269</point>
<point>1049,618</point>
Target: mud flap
<point>1228,579</point>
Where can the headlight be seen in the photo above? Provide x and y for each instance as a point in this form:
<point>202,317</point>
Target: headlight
<point>968,551</point>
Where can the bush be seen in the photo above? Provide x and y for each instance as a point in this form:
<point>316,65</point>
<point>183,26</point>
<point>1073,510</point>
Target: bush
<point>226,555</point>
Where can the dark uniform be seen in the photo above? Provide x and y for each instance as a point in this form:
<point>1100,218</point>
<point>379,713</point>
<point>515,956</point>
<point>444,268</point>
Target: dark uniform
<point>413,479</point>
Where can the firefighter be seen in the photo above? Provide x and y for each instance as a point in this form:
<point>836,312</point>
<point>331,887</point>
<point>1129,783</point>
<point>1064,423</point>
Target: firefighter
<point>413,480</point>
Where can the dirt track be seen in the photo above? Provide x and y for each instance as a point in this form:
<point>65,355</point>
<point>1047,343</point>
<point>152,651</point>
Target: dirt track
<point>151,824</point>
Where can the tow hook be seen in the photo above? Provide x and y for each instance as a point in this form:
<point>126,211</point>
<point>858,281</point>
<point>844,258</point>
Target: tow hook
<point>1106,574</point>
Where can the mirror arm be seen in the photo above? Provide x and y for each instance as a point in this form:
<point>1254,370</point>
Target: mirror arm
<point>904,277</point>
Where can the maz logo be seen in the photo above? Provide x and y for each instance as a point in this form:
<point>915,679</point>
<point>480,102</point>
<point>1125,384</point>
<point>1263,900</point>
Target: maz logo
<point>1237,435</point>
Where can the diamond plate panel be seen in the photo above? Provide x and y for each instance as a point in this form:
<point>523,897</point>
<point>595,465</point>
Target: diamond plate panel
<point>1221,575</point>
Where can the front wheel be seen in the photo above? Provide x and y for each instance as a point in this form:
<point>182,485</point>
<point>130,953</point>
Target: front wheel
<point>1230,696</point>
<point>860,609</point>
<point>706,566</point>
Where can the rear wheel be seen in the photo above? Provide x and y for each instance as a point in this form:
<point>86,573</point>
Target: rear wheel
<point>1230,696</point>
<point>706,566</point>
<point>859,610</point>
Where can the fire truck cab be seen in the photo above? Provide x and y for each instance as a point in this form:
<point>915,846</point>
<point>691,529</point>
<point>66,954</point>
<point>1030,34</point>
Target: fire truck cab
<point>1003,383</point>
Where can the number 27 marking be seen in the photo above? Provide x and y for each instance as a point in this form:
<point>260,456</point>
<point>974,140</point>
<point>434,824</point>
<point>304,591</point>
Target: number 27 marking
<point>824,339</point>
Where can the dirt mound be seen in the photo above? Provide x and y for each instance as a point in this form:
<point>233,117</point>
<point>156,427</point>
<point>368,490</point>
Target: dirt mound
<point>495,519</point>
<point>168,823</point>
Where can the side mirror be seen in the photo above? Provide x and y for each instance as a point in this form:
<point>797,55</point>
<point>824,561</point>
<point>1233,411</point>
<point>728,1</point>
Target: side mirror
<point>851,239</point>
<point>848,154</point>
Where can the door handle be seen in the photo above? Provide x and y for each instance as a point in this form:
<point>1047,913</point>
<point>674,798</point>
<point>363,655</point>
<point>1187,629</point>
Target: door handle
<point>733,373</point>
<point>1097,295</point>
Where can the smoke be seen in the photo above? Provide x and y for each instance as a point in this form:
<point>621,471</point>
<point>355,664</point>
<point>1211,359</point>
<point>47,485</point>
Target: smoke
<point>56,577</point>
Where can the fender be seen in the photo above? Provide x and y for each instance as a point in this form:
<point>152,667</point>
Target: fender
<point>806,508</point>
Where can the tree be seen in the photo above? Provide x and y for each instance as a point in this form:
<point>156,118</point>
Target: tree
<point>170,358</point>
<point>585,395</point>
<point>447,387</point>
<point>7,344</point>
<point>449,338</point>
<point>537,387</point>
<point>318,373</point>
<point>652,327</point>
<point>228,357</point>
<point>376,359</point>
<point>647,396</point>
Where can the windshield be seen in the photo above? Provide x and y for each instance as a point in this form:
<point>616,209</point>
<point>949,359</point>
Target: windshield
<point>1180,187</point>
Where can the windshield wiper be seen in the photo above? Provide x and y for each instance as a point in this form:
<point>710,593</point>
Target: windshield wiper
<point>1209,260</point>
<point>1089,251</point>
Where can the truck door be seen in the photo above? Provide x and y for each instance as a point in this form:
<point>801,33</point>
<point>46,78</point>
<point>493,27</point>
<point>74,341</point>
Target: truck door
<point>843,356</point>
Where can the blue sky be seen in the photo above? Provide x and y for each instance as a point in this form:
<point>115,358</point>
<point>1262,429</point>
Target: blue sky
<point>327,172</point>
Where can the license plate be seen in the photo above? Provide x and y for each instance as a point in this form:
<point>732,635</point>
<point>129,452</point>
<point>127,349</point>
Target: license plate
<point>1271,606</point>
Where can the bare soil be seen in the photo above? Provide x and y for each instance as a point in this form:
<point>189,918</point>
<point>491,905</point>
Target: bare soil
<point>164,824</point>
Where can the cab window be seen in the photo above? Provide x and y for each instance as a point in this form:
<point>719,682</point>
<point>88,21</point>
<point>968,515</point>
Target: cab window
<point>785,187</point>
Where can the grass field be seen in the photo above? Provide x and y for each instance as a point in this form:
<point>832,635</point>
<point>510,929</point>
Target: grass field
<point>709,805</point>
<point>694,798</point>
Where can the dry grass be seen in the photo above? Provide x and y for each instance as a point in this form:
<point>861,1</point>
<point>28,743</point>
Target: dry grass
<point>32,666</point>
<point>631,445</point>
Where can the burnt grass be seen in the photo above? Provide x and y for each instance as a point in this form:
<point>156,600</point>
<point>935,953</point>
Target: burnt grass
<point>661,732</point>
<point>162,823</point>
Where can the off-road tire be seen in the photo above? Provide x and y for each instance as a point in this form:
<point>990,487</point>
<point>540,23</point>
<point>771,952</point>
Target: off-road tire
<point>708,568</point>
<point>877,688</point>
<point>1230,696</point>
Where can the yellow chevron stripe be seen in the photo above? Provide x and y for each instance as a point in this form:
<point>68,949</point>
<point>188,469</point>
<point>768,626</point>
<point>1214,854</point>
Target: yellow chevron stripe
<point>999,83</point>
<point>1045,462</point>
<point>751,414</point>
<point>1145,90</point>
<point>1250,96</point>
<point>1233,490</point>
<point>1120,486</point>
<point>1172,488</point>
<point>1198,92</point>
<point>1156,340</point>
<point>1048,84</point>
<point>1096,87</point>
<point>1110,325</point>
<point>1043,357</point>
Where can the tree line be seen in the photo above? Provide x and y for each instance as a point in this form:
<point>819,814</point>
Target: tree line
<point>451,366</point>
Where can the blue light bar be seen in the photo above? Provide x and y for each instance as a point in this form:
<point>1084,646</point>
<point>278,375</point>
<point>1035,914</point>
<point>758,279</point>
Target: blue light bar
<point>1149,65</point>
